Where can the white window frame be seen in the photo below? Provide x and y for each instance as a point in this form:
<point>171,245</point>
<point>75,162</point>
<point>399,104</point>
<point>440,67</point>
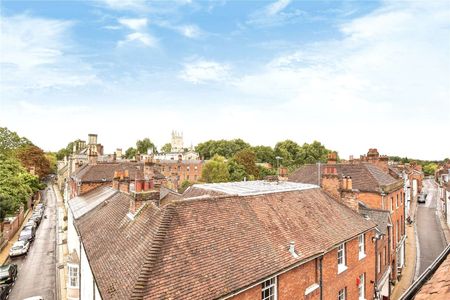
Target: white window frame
<point>361,287</point>
<point>361,246</point>
<point>396,202</point>
<point>342,294</point>
<point>75,277</point>
<point>379,263</point>
<point>270,283</point>
<point>341,258</point>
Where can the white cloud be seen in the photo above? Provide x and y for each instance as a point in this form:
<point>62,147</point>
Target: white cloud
<point>133,5</point>
<point>277,6</point>
<point>190,31</point>
<point>202,71</point>
<point>144,38</point>
<point>274,14</point>
<point>134,24</point>
<point>139,34</point>
<point>35,55</point>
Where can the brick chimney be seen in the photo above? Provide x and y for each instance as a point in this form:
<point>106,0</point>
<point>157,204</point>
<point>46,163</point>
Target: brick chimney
<point>330,182</point>
<point>332,158</point>
<point>349,196</point>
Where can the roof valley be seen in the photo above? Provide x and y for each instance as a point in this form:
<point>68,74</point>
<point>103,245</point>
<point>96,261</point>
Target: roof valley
<point>141,286</point>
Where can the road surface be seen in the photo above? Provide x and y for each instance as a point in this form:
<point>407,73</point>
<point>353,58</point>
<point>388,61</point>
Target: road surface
<point>37,270</point>
<point>430,236</point>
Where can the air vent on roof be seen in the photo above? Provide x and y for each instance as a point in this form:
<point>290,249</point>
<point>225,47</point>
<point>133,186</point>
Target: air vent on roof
<point>292,249</point>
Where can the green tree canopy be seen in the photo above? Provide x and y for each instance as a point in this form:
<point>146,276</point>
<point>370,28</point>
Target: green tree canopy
<point>430,168</point>
<point>10,141</point>
<point>130,153</point>
<point>16,185</point>
<point>144,145</point>
<point>167,148</point>
<point>265,154</point>
<point>223,148</point>
<point>289,152</point>
<point>215,170</point>
<point>237,171</point>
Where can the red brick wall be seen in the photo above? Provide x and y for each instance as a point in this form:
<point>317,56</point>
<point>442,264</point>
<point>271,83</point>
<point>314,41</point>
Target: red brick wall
<point>292,284</point>
<point>89,186</point>
<point>333,282</point>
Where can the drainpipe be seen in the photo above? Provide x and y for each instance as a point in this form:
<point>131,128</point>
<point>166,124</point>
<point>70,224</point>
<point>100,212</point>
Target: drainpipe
<point>375,286</point>
<point>320,277</point>
<point>389,256</point>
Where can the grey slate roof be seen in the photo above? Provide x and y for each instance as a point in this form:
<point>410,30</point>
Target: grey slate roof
<point>378,216</point>
<point>81,205</point>
<point>365,177</point>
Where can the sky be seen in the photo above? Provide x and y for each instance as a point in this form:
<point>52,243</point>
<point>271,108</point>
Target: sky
<point>353,75</point>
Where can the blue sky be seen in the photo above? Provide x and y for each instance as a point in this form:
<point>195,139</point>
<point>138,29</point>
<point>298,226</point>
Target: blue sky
<point>353,75</point>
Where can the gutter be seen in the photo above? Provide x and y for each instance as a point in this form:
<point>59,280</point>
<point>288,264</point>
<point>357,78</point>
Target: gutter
<point>412,291</point>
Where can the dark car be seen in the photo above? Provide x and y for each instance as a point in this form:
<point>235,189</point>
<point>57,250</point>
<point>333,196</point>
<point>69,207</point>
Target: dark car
<point>5,289</point>
<point>8,274</point>
<point>422,198</point>
<point>36,218</point>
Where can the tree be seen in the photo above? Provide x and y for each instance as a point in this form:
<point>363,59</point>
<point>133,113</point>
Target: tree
<point>313,153</point>
<point>247,158</point>
<point>237,171</point>
<point>167,148</point>
<point>430,169</point>
<point>265,154</point>
<point>184,185</point>
<point>221,147</point>
<point>33,157</point>
<point>16,185</point>
<point>10,141</point>
<point>130,153</point>
<point>51,157</point>
<point>144,145</point>
<point>215,170</point>
<point>288,151</point>
<point>264,172</point>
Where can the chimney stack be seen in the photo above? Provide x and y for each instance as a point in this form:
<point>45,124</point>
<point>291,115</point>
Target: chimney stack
<point>332,158</point>
<point>330,182</point>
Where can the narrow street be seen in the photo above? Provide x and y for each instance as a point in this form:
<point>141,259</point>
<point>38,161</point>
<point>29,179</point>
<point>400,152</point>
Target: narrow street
<point>36,275</point>
<point>430,236</point>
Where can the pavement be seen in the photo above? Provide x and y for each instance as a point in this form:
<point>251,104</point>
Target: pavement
<point>36,270</point>
<point>410,257</point>
<point>62,249</point>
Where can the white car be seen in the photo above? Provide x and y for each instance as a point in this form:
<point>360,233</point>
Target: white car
<point>34,298</point>
<point>19,248</point>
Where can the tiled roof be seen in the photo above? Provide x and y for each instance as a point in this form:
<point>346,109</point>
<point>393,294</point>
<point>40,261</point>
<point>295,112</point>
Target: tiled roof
<point>378,216</point>
<point>434,283</point>
<point>105,171</point>
<point>365,177</point>
<point>196,249</point>
<point>438,287</point>
<point>83,204</point>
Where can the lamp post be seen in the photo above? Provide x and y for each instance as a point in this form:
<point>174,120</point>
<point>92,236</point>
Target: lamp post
<point>278,158</point>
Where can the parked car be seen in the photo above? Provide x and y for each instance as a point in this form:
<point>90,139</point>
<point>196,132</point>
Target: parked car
<point>31,223</point>
<point>40,206</point>
<point>5,289</point>
<point>36,218</point>
<point>8,274</point>
<point>19,248</point>
<point>34,298</point>
<point>27,234</point>
<point>422,198</point>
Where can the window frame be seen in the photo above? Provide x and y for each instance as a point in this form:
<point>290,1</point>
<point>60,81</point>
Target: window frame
<point>342,294</point>
<point>341,256</point>
<point>361,244</point>
<point>362,287</point>
<point>267,285</point>
<point>76,277</point>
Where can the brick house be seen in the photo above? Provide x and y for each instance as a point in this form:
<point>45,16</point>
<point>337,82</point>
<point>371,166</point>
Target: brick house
<point>376,189</point>
<point>246,240</point>
<point>177,171</point>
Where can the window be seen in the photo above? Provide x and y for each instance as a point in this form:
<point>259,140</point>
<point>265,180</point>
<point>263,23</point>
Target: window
<point>269,289</point>
<point>396,202</point>
<point>397,235</point>
<point>361,246</point>
<point>341,258</point>
<point>385,256</point>
<point>361,287</point>
<point>392,203</point>
<point>73,276</point>
<point>341,294</point>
